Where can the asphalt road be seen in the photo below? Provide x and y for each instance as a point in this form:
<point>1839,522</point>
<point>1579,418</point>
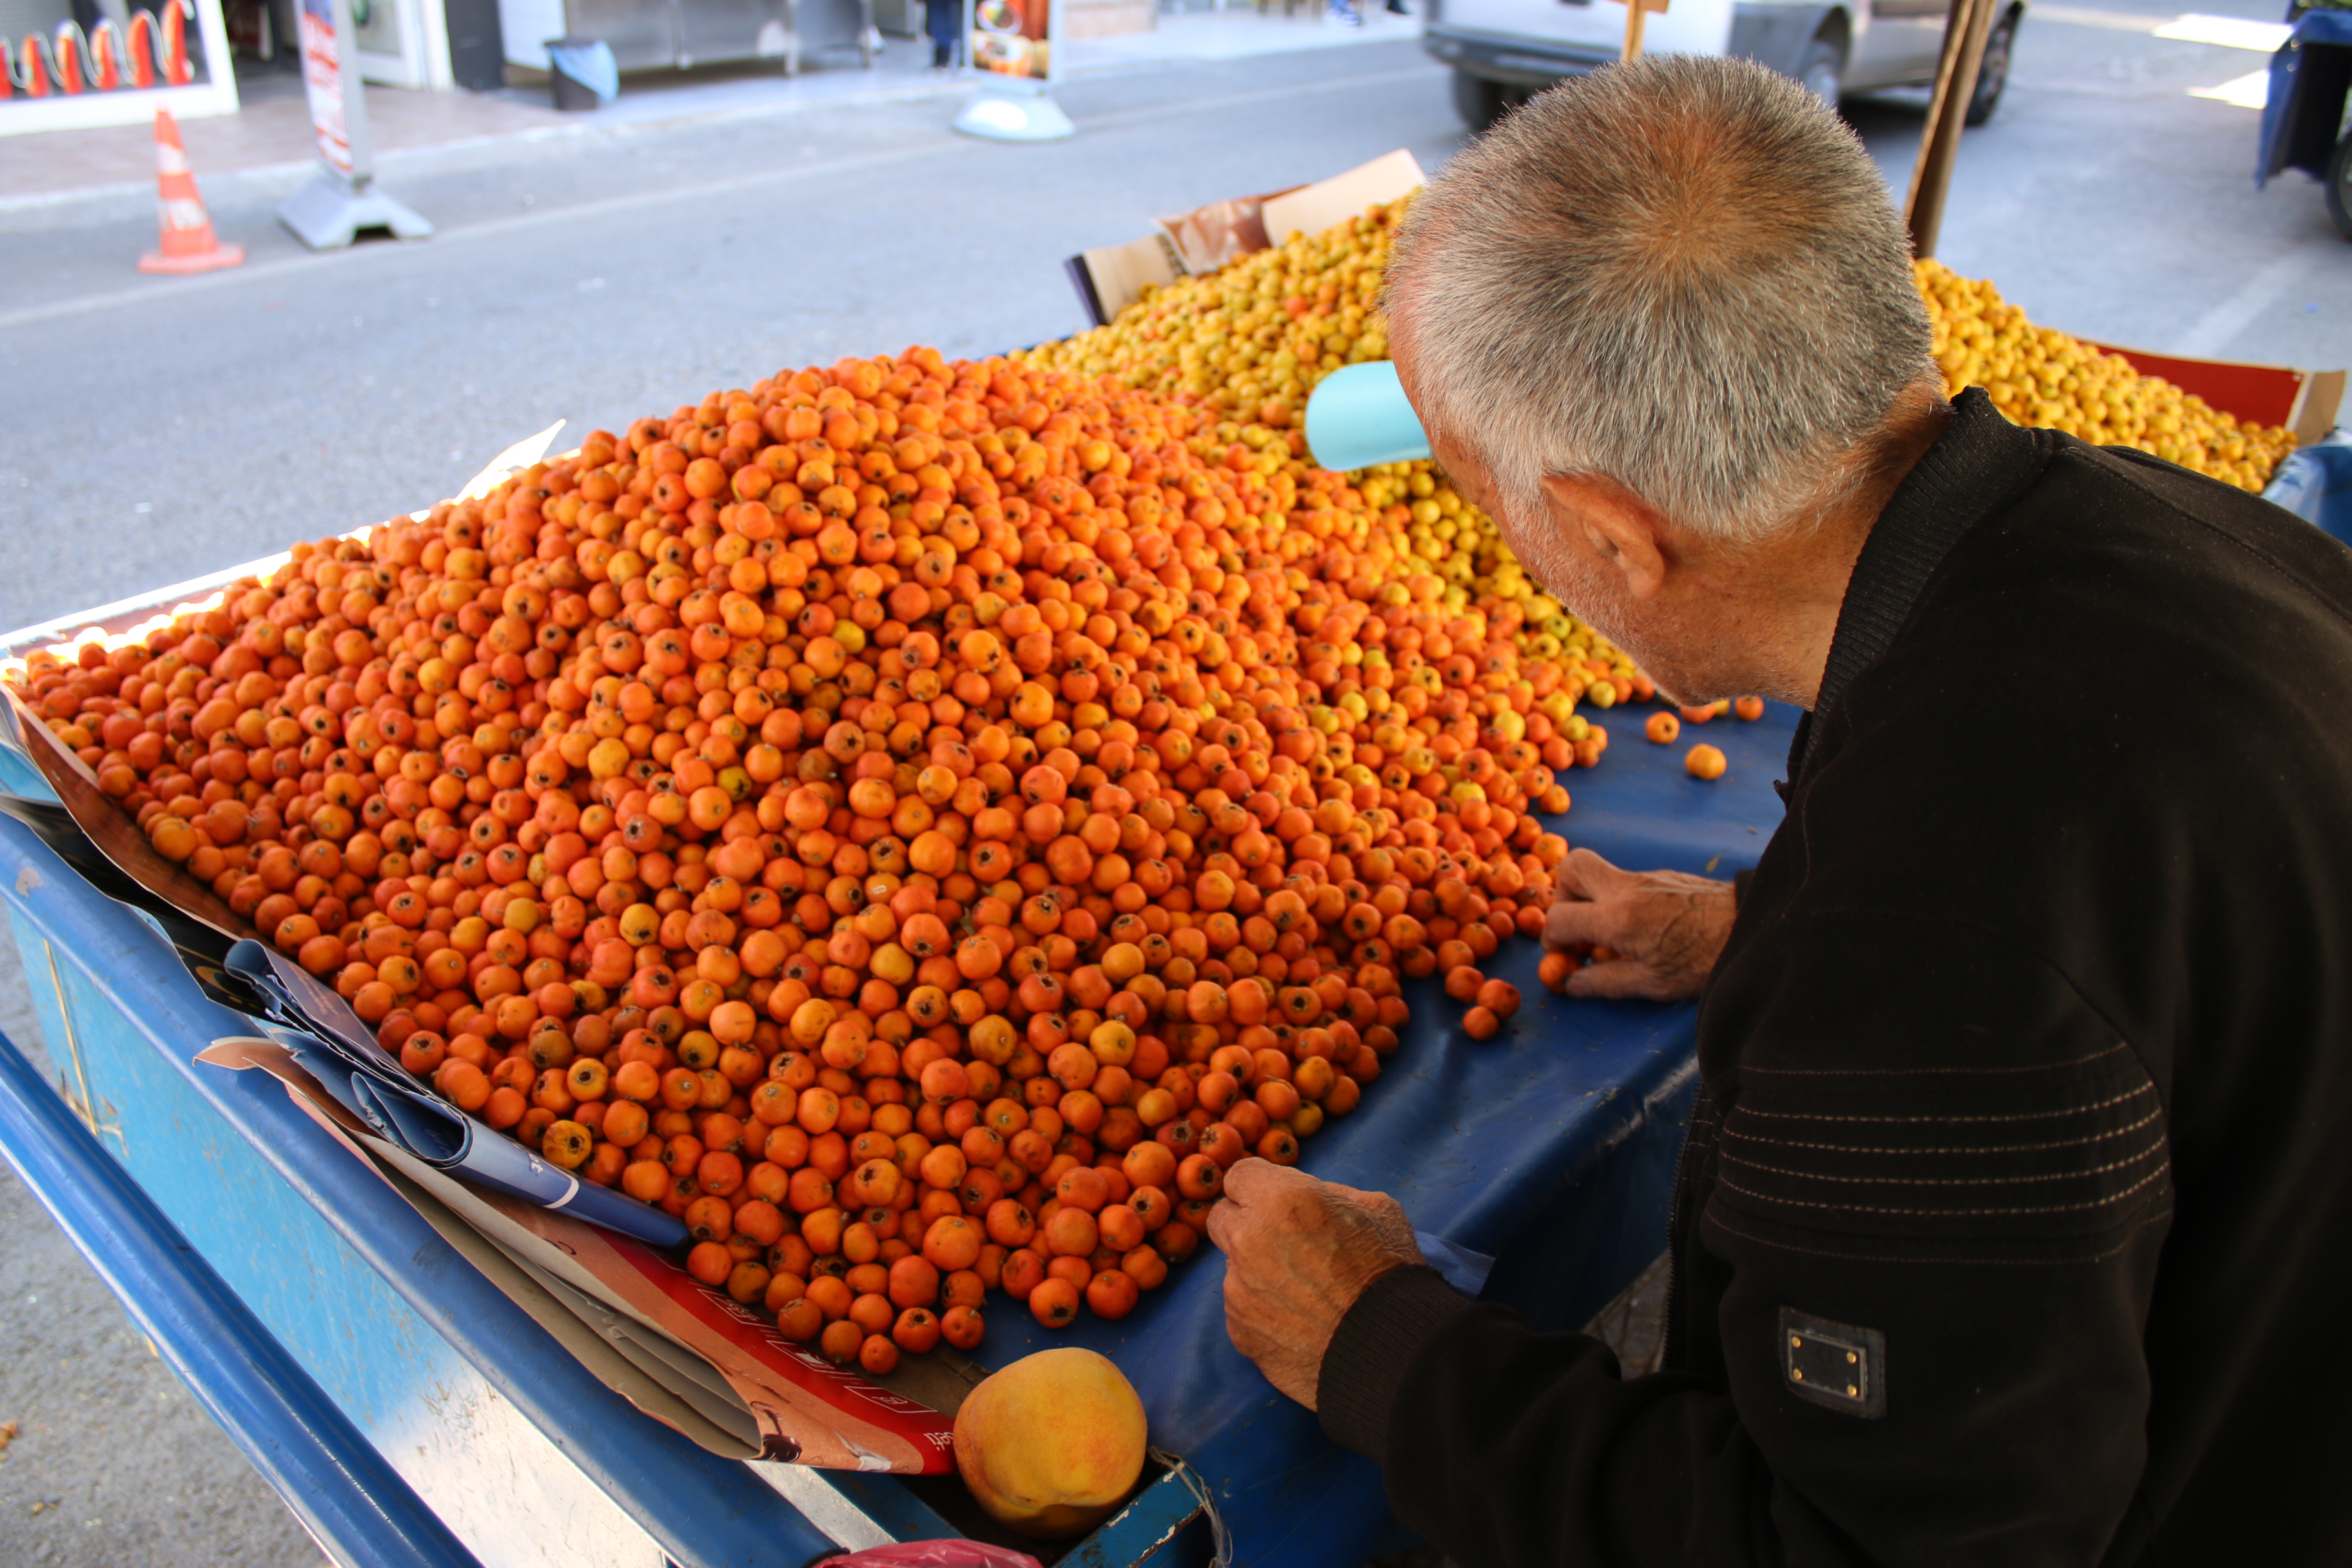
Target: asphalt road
<point>603,275</point>
<point>158,429</point>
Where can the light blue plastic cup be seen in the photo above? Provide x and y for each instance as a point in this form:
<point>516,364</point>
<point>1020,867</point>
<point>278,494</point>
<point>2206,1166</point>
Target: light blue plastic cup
<point>1359,416</point>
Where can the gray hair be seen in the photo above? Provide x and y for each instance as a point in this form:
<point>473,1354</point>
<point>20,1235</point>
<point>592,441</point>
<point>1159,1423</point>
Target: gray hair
<point>1683,274</point>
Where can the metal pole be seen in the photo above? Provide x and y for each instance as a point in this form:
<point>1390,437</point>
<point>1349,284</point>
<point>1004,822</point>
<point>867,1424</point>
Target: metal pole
<point>355,125</point>
<point>342,199</point>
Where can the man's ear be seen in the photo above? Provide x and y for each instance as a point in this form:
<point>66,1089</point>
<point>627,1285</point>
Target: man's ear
<point>1609,522</point>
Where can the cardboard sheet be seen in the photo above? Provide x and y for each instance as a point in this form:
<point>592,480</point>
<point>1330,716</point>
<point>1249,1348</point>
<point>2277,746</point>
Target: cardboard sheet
<point>1311,209</point>
<point>1110,277</point>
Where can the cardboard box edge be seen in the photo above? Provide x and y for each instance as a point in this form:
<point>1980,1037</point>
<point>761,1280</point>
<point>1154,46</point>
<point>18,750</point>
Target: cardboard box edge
<point>2317,407</point>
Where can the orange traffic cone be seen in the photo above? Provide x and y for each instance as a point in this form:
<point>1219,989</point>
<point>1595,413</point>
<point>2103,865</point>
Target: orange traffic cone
<point>187,239</point>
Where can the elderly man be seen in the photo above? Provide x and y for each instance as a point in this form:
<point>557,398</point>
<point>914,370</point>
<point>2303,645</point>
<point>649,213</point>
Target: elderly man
<point>2013,1222</point>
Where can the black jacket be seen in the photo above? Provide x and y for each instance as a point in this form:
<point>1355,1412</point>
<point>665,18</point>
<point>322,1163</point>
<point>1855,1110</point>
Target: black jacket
<point>2014,1222</point>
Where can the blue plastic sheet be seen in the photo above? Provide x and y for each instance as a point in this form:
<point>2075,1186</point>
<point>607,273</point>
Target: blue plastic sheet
<point>2316,484</point>
<point>1465,1270</point>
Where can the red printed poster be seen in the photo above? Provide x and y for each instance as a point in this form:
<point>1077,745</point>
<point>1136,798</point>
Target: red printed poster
<point>322,81</point>
<point>879,1429</point>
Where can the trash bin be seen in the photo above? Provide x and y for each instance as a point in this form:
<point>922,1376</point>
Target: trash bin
<point>477,50</point>
<point>585,75</point>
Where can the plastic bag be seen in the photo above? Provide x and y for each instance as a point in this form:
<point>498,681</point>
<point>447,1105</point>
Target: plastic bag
<point>950,1553</point>
<point>1459,1266</point>
<point>2316,484</point>
<point>588,61</point>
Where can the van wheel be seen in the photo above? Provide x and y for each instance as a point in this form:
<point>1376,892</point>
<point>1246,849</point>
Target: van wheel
<point>1993,74</point>
<point>1478,101</point>
<point>1822,69</point>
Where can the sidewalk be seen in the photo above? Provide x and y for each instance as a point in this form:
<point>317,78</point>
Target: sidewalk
<point>267,142</point>
<point>1237,32</point>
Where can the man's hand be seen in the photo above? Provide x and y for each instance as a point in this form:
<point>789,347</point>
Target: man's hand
<point>1667,928</point>
<point>1297,1254</point>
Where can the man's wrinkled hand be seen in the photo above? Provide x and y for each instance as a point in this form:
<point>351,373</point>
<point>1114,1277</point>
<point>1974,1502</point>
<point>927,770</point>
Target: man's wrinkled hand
<point>1666,928</point>
<point>1297,1254</point>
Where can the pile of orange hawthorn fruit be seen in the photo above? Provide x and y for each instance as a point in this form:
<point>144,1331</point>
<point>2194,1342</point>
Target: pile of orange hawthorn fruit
<point>919,823</point>
<point>1250,342</point>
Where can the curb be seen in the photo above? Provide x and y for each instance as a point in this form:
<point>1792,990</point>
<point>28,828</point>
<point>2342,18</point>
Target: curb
<point>122,200</point>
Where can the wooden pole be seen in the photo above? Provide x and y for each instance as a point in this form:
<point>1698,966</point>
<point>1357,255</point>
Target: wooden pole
<point>1966,25</point>
<point>1636,14</point>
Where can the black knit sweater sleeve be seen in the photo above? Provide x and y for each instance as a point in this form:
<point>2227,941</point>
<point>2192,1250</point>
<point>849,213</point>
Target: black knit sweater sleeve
<point>1937,1186</point>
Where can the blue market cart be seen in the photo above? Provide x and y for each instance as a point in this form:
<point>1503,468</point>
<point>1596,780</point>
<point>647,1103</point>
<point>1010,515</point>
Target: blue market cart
<point>411,1414</point>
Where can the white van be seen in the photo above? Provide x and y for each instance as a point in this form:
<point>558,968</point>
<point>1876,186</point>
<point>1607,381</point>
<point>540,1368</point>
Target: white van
<point>1503,51</point>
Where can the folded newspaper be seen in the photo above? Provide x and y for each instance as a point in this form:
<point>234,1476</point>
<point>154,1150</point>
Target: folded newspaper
<point>328,1038</point>
<point>689,1356</point>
